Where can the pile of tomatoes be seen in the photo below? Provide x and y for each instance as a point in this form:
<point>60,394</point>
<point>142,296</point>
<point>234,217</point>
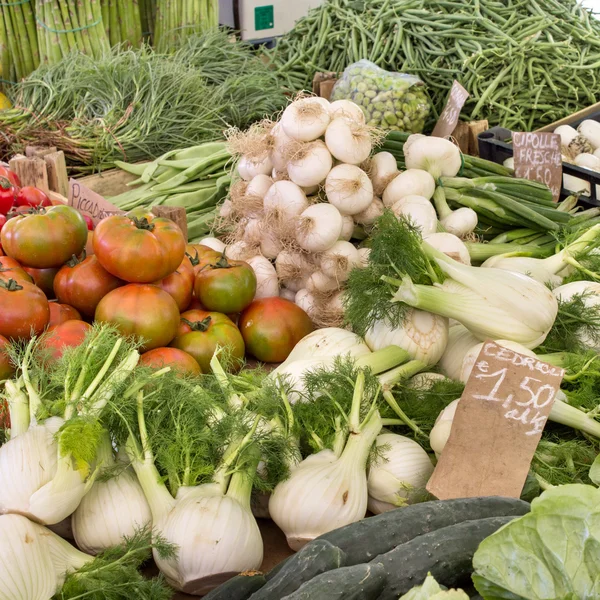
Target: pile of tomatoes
<point>136,272</point>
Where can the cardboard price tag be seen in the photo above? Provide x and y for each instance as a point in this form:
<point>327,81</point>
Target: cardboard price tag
<point>449,118</point>
<point>538,157</point>
<point>90,203</point>
<point>498,424</point>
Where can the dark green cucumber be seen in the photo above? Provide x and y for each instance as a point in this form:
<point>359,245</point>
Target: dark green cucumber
<point>360,582</point>
<point>240,587</point>
<point>366,539</point>
<point>314,559</point>
<point>446,553</point>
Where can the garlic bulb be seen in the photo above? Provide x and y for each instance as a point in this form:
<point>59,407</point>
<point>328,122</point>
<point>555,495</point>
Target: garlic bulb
<point>399,476</point>
<point>110,511</point>
<point>422,334</point>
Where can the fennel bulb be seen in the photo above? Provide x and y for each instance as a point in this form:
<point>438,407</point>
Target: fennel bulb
<point>422,334</point>
<point>33,560</point>
<point>545,270</point>
<point>328,489</point>
<point>113,509</point>
<point>490,303</point>
<point>441,430</point>
<point>400,475</point>
<point>460,341</point>
<point>473,353</point>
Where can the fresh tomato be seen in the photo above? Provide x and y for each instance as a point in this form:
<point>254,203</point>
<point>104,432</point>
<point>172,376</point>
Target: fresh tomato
<point>24,309</point>
<point>8,195</point>
<point>2,222</point>
<point>180,285</point>
<point>178,360</point>
<point>139,250</point>
<point>83,283</point>
<point>226,286</point>
<point>32,196</point>
<point>61,313</point>
<point>2,251</point>
<point>6,367</point>
<point>141,213</point>
<point>195,304</point>
<point>142,310</point>
<point>201,332</point>
<point>200,255</point>
<point>46,238</point>
<point>11,269</point>
<point>271,327</point>
<point>89,246</point>
<point>43,278</point>
<point>89,222</point>
<point>10,175</point>
<point>58,338</point>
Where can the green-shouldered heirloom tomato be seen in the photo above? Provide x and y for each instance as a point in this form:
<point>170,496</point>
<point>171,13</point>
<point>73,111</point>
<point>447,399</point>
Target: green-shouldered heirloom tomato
<point>201,332</point>
<point>7,369</point>
<point>178,360</point>
<point>180,284</point>
<point>141,310</point>
<point>11,269</point>
<point>271,327</point>
<point>43,278</point>
<point>44,237</point>
<point>61,313</point>
<point>83,283</point>
<point>65,335</point>
<point>224,285</point>
<point>138,250</point>
<point>24,309</point>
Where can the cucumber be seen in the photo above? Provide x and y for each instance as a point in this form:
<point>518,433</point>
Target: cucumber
<point>366,539</point>
<point>240,587</point>
<point>309,562</point>
<point>446,553</point>
<point>360,582</point>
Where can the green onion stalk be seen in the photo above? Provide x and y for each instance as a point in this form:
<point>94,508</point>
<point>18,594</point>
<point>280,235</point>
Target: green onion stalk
<point>19,53</point>
<point>122,22</point>
<point>64,26</point>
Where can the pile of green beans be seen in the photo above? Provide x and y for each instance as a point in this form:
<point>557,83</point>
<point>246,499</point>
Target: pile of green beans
<point>195,178</point>
<point>526,63</point>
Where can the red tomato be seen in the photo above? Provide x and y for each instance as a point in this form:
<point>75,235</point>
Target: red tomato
<point>138,250</point>
<point>61,313</point>
<point>11,269</point>
<point>31,196</point>
<point>24,309</point>
<point>8,195</point>
<point>10,175</point>
<point>226,286</point>
<point>271,327</point>
<point>145,311</point>
<point>89,222</point>
<point>201,332</point>
<point>44,279</point>
<point>89,246</point>
<point>82,284</point>
<point>180,284</point>
<point>2,222</point>
<point>195,304</point>
<point>65,335</point>
<point>178,360</point>
<point>48,237</point>
<point>7,369</point>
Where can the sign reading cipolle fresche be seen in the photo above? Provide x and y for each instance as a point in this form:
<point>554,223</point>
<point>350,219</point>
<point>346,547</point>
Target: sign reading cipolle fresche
<point>498,424</point>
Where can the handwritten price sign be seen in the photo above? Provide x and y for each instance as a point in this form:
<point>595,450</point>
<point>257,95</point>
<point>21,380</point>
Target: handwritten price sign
<point>448,120</point>
<point>90,203</point>
<point>497,426</point>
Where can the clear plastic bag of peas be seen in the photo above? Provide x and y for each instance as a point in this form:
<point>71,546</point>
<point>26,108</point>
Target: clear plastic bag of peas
<point>390,101</point>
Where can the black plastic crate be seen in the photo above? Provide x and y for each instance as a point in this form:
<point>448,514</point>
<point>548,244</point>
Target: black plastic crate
<point>493,145</point>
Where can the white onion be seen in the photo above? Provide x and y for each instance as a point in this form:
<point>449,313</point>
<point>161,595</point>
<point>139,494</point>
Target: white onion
<point>306,301</point>
<point>226,209</point>
<point>338,261</point>
<point>305,120</point>
<point>311,166</point>
<point>419,211</point>
<point>383,169</point>
<point>267,284</point>
<point>240,250</point>
<point>349,189</point>
<point>460,222</point>
<point>248,169</point>
<point>287,294</point>
<point>281,141</point>
<point>253,232</point>
<point>437,156</point>
<point>587,160</point>
<point>259,186</point>
<point>413,182</point>
<point>319,227</point>
<point>347,228</point>
<point>348,141</point>
<point>310,190</point>
<point>213,243</point>
<point>319,282</point>
<point>371,213</point>
<point>590,130</point>
<point>451,246</point>
<point>285,199</point>
<point>270,243</point>
<point>347,109</point>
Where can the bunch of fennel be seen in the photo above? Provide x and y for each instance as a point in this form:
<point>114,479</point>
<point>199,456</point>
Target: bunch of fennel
<point>49,462</point>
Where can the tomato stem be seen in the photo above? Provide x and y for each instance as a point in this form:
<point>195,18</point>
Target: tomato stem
<point>198,325</point>
<point>143,223</point>
<point>11,285</point>
<point>75,260</point>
